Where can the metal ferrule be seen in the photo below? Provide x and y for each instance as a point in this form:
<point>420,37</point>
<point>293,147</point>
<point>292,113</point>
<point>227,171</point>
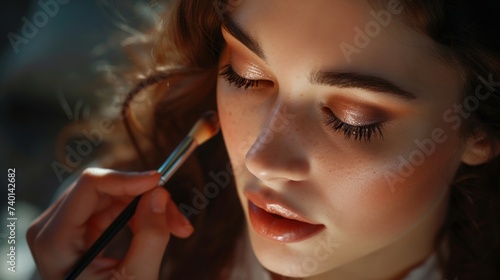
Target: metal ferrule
<point>176,159</point>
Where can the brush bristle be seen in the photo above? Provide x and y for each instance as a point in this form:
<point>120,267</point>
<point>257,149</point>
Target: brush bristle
<point>205,128</point>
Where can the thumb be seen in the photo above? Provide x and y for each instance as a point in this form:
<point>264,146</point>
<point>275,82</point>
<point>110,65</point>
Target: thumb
<point>151,236</point>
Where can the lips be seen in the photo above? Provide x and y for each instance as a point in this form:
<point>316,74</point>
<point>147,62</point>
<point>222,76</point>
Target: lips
<point>275,220</point>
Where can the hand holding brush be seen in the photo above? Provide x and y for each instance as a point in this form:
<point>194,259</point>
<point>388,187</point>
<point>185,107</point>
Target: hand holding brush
<point>60,237</point>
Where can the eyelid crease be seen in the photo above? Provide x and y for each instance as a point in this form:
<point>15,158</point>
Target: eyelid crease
<point>357,112</point>
<point>254,67</point>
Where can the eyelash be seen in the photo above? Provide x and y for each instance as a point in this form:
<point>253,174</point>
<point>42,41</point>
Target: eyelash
<point>364,132</point>
<point>232,78</point>
<point>358,133</point>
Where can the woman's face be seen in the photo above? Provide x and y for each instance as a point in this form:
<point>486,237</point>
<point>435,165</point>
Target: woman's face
<point>344,149</point>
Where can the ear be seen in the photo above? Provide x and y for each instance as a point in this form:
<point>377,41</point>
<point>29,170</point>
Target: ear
<point>480,149</point>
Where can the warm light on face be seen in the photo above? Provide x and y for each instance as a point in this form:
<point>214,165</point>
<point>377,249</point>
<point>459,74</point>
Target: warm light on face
<point>325,135</point>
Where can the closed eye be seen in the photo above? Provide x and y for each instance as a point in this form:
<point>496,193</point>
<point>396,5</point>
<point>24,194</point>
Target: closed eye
<point>236,80</point>
<point>355,132</point>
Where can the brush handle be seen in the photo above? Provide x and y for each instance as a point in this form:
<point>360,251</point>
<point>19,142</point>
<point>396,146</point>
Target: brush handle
<point>176,159</point>
<point>104,239</point>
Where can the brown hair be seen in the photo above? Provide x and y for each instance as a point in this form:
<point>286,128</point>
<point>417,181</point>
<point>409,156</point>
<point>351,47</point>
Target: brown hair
<point>187,51</point>
<point>467,32</point>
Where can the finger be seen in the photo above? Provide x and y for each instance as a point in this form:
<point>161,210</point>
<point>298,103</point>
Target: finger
<point>151,236</point>
<point>83,200</point>
<point>40,223</point>
<point>101,268</point>
<point>37,225</point>
<point>178,224</point>
<point>62,232</point>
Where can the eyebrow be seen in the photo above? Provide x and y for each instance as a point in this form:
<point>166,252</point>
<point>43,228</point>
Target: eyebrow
<point>356,80</point>
<point>245,39</point>
<point>327,78</point>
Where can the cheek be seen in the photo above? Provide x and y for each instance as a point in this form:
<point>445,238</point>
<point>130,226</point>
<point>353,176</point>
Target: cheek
<point>238,119</point>
<point>386,198</point>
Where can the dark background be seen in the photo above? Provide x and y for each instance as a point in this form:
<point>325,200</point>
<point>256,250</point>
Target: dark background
<point>52,80</point>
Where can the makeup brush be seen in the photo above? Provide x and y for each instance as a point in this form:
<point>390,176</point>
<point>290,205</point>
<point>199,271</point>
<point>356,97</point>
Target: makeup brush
<point>205,128</point>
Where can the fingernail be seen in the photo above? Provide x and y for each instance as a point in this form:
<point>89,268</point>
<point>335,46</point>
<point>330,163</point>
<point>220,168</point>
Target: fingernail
<point>157,202</point>
<point>185,221</point>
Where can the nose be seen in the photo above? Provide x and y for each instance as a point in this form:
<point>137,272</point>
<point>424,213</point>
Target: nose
<point>278,153</point>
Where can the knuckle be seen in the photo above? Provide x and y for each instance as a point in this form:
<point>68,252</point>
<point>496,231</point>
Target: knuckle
<point>32,233</point>
<point>37,242</point>
<point>88,173</point>
<point>89,176</point>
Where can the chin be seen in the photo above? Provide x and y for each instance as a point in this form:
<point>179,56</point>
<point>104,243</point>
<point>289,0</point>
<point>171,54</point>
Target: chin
<point>301,259</point>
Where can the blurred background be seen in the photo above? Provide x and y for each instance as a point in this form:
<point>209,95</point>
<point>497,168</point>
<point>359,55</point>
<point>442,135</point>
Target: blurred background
<point>60,61</point>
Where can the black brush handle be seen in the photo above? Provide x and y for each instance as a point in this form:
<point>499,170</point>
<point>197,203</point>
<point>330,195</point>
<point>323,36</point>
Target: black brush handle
<point>104,239</point>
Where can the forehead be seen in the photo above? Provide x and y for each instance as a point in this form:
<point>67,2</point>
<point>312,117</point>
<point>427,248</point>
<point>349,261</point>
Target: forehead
<point>340,35</point>
<point>333,26</point>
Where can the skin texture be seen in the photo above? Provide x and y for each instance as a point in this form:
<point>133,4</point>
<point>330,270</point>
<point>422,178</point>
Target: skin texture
<point>280,144</point>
